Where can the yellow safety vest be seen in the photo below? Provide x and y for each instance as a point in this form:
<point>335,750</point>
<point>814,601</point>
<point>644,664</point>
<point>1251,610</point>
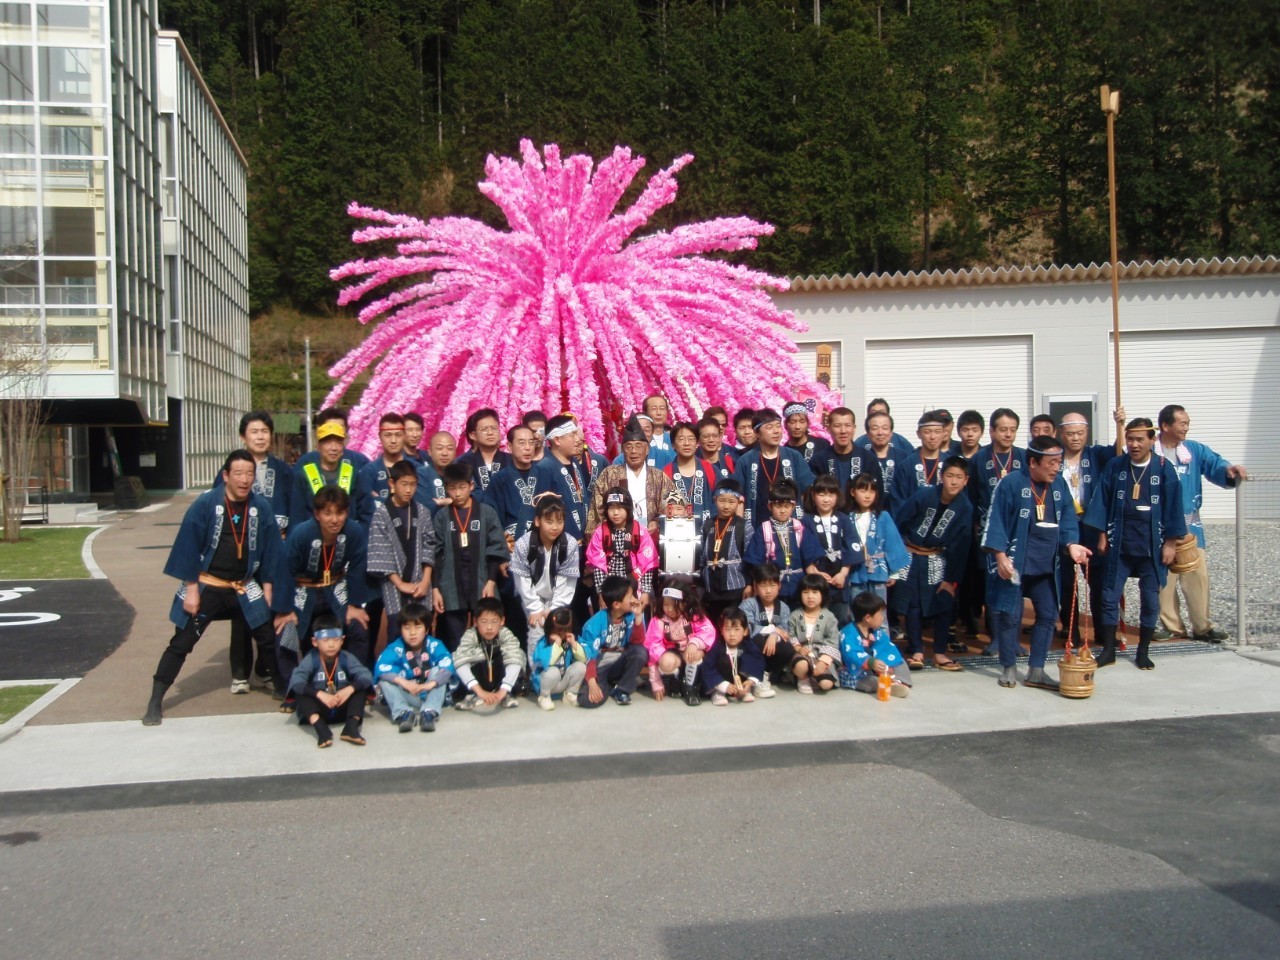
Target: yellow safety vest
<point>346,473</point>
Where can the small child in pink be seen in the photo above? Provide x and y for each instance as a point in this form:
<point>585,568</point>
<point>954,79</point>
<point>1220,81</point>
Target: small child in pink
<point>679,638</point>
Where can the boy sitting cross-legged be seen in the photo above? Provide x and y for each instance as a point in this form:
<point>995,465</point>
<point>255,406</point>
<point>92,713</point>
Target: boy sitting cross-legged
<point>414,672</point>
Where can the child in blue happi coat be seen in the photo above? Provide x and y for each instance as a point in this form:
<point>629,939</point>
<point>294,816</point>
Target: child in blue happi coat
<point>867,652</point>
<point>330,685</point>
<point>559,662</point>
<point>831,548</point>
<point>884,559</point>
<point>779,539</point>
<point>414,672</point>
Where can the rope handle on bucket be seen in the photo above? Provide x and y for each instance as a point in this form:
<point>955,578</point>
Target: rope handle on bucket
<point>1077,570</point>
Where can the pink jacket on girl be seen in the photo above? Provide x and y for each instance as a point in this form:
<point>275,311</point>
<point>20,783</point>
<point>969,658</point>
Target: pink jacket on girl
<point>700,633</point>
<point>643,559</point>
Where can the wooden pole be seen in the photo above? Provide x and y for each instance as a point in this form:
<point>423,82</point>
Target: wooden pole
<point>1111,107</point>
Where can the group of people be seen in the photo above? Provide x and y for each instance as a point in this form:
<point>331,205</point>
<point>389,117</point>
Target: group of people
<point>701,569</point>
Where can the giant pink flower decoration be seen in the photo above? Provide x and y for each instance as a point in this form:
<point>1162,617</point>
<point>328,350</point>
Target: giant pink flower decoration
<point>565,310</point>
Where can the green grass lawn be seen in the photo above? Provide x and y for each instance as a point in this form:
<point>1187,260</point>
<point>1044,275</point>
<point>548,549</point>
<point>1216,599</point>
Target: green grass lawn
<point>13,700</point>
<point>45,554</point>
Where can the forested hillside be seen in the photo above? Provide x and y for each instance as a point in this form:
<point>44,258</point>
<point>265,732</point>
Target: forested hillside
<point>903,134</point>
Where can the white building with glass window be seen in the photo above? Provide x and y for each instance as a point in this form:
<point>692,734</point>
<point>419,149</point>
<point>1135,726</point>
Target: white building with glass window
<point>123,243</point>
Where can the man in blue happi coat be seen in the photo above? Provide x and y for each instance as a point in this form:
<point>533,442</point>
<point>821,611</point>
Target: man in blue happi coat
<point>331,463</point>
<point>1194,462</point>
<point>1031,523</point>
<point>842,458</point>
<point>768,462</point>
<point>225,555</point>
<point>1137,514</point>
<point>273,479</point>
<point>1082,465</point>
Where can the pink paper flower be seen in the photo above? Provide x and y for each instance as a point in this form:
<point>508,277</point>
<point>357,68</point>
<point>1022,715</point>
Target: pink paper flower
<point>567,309</point>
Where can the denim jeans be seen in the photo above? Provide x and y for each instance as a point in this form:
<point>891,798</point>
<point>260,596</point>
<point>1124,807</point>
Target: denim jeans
<point>400,701</point>
<point>1039,590</point>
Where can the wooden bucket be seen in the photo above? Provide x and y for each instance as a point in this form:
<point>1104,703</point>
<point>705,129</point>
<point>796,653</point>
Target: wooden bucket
<point>1075,673</point>
<point>1186,555</point>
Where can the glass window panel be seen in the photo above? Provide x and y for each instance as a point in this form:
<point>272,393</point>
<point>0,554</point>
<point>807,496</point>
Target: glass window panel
<point>62,19</point>
<point>68,139</point>
<point>69,74</point>
<point>69,231</point>
<point>16,171</point>
<point>74,283</point>
<point>19,282</point>
<point>68,172</point>
<point>16,81</point>
<point>15,14</point>
<point>18,235</point>
<point>17,130</point>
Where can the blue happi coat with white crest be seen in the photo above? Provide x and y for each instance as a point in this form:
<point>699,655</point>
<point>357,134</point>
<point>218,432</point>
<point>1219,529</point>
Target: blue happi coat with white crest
<point>197,542</point>
<point>304,560</point>
<point>1010,517</point>
<point>1158,488</point>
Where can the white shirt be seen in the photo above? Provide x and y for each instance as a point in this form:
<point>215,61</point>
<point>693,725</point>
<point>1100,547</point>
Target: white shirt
<point>638,487</point>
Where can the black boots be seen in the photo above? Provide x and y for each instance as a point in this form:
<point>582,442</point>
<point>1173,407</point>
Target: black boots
<point>1107,635</point>
<point>155,713</point>
<point>1142,660</point>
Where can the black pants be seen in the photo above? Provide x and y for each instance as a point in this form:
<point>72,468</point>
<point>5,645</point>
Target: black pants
<point>784,654</point>
<point>488,675</point>
<point>450,626</point>
<point>355,640</point>
<point>243,661</point>
<point>353,709</point>
<point>972,595</point>
<point>216,603</point>
<point>717,603</point>
<point>621,673</point>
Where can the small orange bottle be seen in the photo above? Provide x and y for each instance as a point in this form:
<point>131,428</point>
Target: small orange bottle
<point>886,683</point>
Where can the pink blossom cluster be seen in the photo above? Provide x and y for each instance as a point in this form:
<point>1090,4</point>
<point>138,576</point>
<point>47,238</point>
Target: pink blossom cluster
<point>566,309</point>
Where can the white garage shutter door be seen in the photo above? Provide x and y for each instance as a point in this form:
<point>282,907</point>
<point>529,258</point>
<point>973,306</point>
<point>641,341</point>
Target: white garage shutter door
<point>1229,381</point>
<point>807,356</point>
<point>969,373</point>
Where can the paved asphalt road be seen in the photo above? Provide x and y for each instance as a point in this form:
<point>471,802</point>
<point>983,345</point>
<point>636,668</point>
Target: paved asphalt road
<point>1128,841</point>
<point>92,621</point>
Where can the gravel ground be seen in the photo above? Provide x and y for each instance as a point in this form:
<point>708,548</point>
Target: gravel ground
<point>1262,565</point>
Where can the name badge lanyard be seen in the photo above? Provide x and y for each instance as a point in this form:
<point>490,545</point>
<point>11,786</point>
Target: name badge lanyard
<point>1137,480</point>
<point>462,525</point>
<point>326,561</point>
<point>1040,498</point>
<point>330,686</point>
<point>238,525</point>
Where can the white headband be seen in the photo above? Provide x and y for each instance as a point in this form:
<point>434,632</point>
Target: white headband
<point>672,593</point>
<point>1072,420</point>
<point>562,431</point>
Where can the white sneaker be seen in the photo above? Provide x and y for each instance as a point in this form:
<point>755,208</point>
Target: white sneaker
<point>545,702</point>
<point>719,699</point>
<point>570,698</point>
<point>239,686</point>
<point>804,686</point>
<point>748,697</point>
<point>509,702</point>
<point>468,703</point>
<point>764,689</point>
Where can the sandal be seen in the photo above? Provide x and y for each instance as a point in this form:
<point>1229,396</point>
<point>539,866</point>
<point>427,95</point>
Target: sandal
<point>947,666</point>
<point>916,662</point>
<point>955,646</point>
